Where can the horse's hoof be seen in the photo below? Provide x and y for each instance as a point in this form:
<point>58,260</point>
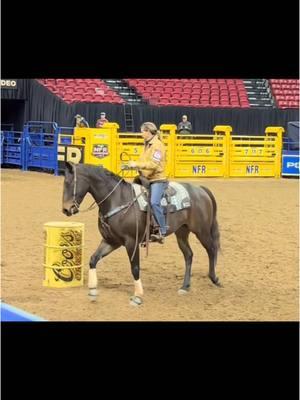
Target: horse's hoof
<point>183,291</point>
<point>135,301</point>
<point>93,294</point>
<point>216,282</point>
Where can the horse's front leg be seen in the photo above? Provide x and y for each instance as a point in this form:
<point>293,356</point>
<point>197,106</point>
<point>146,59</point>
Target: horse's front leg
<point>133,252</point>
<point>103,250</point>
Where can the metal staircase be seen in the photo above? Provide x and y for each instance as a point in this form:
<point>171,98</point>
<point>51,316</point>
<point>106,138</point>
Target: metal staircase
<point>259,93</point>
<point>126,92</point>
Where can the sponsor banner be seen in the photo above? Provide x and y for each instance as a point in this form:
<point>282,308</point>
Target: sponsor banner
<point>290,165</point>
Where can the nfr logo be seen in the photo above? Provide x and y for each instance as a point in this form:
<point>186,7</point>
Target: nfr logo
<point>199,169</point>
<point>292,165</point>
<point>252,169</point>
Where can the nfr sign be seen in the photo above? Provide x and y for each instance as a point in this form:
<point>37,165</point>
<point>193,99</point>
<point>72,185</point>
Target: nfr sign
<point>72,153</point>
<point>252,169</point>
<point>199,169</point>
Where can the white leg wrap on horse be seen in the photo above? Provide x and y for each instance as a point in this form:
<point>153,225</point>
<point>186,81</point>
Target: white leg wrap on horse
<point>92,278</point>
<point>138,288</point>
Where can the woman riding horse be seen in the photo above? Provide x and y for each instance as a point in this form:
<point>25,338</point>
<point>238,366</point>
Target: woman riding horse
<point>122,223</point>
<point>151,165</point>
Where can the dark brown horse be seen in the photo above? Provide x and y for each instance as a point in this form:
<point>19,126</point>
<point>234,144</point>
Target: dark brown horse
<point>121,223</point>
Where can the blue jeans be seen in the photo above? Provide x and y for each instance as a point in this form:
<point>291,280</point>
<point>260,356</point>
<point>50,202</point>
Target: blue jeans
<point>157,190</point>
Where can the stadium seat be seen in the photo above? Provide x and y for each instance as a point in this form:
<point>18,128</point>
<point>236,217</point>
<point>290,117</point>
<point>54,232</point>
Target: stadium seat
<point>71,90</point>
<point>285,92</point>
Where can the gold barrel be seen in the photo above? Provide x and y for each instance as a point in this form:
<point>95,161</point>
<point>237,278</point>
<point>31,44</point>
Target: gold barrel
<point>63,254</point>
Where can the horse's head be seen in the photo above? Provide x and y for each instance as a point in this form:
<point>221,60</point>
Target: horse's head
<point>75,188</point>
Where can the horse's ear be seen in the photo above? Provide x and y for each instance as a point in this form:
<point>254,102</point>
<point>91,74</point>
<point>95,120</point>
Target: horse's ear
<point>69,166</point>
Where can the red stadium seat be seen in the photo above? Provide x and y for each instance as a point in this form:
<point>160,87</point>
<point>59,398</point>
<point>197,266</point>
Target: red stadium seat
<point>286,92</point>
<point>83,90</point>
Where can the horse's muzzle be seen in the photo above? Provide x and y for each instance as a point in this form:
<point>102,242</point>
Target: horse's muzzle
<point>71,211</point>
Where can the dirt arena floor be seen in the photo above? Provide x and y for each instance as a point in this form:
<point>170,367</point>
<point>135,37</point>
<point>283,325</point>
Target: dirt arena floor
<point>259,266</point>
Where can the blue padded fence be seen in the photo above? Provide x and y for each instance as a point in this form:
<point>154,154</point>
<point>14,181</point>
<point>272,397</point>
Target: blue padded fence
<point>10,313</point>
<point>12,148</point>
<point>40,149</point>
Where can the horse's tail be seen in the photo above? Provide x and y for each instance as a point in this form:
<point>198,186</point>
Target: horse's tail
<point>215,233</point>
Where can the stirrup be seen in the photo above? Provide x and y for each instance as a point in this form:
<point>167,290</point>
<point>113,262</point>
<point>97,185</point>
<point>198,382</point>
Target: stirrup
<point>157,238</point>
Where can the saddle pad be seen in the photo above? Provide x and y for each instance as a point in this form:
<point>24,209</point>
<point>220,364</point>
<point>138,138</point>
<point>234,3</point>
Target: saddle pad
<point>179,201</point>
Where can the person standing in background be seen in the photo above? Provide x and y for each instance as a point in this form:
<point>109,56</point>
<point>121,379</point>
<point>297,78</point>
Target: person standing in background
<point>184,126</point>
<point>102,120</point>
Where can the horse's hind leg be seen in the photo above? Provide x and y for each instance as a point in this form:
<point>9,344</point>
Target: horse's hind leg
<point>212,250</point>
<point>103,250</point>
<point>182,235</point>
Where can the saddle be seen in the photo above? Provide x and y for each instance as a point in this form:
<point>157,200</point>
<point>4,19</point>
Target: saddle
<point>145,183</point>
<point>175,197</point>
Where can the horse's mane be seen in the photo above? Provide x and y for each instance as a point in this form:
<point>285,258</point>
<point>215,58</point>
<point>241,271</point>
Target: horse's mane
<point>96,170</point>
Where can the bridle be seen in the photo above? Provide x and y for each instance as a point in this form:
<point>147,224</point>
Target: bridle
<point>94,204</point>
